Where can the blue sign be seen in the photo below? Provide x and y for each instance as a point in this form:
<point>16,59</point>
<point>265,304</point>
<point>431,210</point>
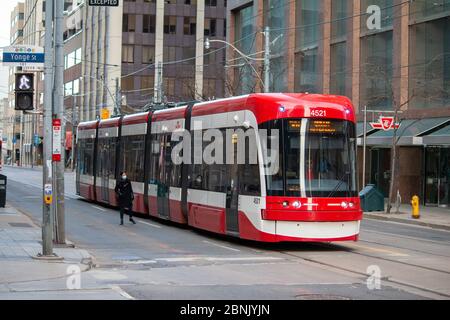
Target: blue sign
<point>36,140</point>
<point>14,140</point>
<point>23,57</point>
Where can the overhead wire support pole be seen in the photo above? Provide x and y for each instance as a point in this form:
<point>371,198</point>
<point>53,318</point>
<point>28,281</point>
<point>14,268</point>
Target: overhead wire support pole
<point>267,59</point>
<point>47,225</point>
<point>364,148</point>
<point>60,236</point>
<point>118,102</point>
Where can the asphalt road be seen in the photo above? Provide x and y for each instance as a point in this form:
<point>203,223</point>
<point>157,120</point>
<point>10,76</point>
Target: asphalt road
<point>159,260</point>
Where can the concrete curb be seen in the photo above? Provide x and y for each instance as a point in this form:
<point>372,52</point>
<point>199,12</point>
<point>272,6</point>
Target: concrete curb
<point>413,222</point>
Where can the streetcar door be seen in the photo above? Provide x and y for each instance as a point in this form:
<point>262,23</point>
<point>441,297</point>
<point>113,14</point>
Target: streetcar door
<point>79,147</point>
<point>165,165</point>
<point>232,195</point>
<point>104,160</point>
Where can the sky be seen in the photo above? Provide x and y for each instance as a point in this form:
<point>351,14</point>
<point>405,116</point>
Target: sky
<point>6,7</point>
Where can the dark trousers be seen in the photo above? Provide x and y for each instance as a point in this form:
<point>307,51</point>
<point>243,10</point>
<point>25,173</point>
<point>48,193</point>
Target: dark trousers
<point>122,211</point>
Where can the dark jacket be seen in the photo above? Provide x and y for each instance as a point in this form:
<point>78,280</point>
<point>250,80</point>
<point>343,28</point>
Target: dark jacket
<point>124,192</point>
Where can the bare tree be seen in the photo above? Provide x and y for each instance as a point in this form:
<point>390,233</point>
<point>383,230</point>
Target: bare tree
<point>378,76</point>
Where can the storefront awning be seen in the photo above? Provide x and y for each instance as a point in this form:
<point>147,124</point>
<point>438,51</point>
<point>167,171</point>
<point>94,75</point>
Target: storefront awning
<point>412,132</point>
<point>439,137</point>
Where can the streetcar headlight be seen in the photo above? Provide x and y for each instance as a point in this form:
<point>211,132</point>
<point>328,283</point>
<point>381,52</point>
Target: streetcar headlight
<point>351,204</point>
<point>296,204</point>
<point>344,204</point>
<point>285,203</point>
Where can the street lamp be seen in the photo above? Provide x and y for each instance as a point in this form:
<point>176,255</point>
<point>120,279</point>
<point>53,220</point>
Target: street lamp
<point>247,58</point>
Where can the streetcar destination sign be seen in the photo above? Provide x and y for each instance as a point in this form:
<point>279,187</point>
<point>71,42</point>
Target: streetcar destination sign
<point>104,3</point>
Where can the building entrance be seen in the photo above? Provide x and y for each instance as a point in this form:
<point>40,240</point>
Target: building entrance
<point>380,169</point>
<point>437,176</point>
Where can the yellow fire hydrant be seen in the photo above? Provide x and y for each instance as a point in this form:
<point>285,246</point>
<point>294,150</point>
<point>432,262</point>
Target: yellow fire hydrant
<point>415,207</point>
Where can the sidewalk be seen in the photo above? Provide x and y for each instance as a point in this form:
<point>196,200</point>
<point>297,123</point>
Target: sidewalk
<point>437,218</point>
<point>24,277</point>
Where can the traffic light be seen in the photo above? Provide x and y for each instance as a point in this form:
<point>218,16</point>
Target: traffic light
<point>24,91</point>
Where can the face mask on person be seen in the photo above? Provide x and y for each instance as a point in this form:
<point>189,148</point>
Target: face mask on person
<point>124,177</point>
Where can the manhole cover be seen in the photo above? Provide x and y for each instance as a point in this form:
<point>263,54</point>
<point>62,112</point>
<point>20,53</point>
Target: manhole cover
<point>320,297</point>
<point>20,225</point>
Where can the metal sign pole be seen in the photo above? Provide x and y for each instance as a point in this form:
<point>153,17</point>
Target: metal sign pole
<point>364,148</point>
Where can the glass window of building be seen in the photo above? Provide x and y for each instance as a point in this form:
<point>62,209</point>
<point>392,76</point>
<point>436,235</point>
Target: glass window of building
<point>307,43</point>
<point>170,24</point>
<point>169,54</point>
<point>76,86</point>
<point>429,72</point>
<point>386,9</point>
<point>148,54</point>
<point>189,25</point>
<point>129,23</point>
<point>210,27</point>
<point>127,83</point>
<point>338,74</point>
<point>376,71</point>
<point>147,82</point>
<point>244,76</point>
<point>339,18</point>
<point>275,18</point>
<point>210,3</point>
<point>128,53</point>
<point>169,86</point>
<point>189,53</point>
<point>148,23</point>
<point>420,9</point>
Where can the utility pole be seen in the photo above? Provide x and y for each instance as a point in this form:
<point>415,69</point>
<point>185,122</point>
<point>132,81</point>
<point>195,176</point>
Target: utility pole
<point>118,103</point>
<point>267,59</point>
<point>158,91</point>
<point>58,94</point>
<point>364,148</point>
<point>74,130</point>
<point>47,223</point>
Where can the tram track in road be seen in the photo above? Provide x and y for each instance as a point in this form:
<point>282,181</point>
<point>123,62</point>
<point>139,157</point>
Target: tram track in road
<point>404,248</point>
<point>388,280</point>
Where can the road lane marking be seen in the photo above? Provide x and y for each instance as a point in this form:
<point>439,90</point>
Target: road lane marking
<point>149,224</point>
<point>392,253</point>
<point>120,291</point>
<point>221,246</point>
<point>192,259</point>
<point>407,237</point>
<point>243,259</point>
<point>101,209</point>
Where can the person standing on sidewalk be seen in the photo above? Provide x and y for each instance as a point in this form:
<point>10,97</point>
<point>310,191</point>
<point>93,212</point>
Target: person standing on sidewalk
<point>125,194</point>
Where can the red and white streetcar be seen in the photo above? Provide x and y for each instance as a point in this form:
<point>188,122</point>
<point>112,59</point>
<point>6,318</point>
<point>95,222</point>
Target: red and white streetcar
<point>311,196</point>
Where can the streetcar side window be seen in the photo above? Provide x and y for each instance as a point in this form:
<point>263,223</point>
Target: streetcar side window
<point>249,171</point>
<point>154,157</point>
<point>106,157</point>
<point>86,156</point>
<point>132,157</point>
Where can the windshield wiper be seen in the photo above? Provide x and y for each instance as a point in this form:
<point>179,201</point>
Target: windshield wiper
<point>341,179</point>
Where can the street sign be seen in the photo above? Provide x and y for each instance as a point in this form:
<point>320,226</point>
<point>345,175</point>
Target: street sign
<point>104,3</point>
<point>56,153</point>
<point>23,56</point>
<point>105,113</point>
<point>385,123</point>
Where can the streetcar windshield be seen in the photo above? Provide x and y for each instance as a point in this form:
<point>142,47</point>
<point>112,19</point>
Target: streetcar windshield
<point>316,158</point>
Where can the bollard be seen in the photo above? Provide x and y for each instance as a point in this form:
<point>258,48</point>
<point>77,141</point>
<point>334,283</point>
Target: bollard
<point>415,207</point>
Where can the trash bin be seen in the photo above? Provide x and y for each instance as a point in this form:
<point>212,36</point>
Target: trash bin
<point>371,199</point>
<point>2,190</point>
